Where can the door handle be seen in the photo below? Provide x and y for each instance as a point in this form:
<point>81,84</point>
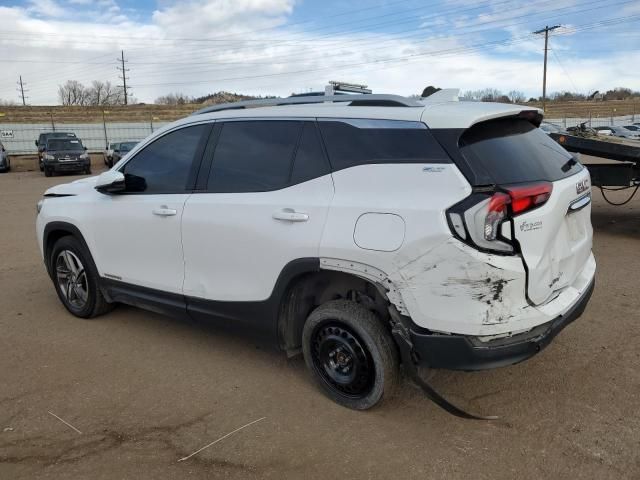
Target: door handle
<point>164,211</point>
<point>290,215</point>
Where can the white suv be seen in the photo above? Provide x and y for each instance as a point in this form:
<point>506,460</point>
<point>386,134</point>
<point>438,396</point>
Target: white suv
<point>364,231</point>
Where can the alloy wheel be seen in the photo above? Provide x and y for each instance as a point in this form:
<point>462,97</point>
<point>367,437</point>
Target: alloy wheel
<point>72,279</point>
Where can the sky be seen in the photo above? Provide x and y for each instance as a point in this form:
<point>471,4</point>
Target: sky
<point>279,47</point>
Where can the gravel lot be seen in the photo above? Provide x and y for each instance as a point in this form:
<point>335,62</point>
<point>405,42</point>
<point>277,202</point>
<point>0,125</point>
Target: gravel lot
<point>145,390</point>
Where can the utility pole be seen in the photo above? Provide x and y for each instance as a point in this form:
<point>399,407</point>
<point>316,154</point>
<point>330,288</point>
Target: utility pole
<point>124,76</point>
<point>546,31</point>
<point>21,90</point>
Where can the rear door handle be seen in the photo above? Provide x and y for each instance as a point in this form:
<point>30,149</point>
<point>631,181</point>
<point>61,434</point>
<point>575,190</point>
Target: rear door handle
<point>164,211</point>
<point>290,215</point>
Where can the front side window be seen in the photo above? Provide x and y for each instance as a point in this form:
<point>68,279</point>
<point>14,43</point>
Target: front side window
<point>254,156</point>
<point>164,165</point>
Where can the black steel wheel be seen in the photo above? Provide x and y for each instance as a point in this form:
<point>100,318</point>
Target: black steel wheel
<point>340,358</point>
<point>350,354</point>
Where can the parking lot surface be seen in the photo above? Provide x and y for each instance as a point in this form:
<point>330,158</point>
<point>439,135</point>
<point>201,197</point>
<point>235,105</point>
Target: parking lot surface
<point>142,391</point>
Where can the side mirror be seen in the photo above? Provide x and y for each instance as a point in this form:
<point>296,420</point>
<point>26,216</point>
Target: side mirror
<point>111,181</point>
<point>36,143</point>
<point>85,149</point>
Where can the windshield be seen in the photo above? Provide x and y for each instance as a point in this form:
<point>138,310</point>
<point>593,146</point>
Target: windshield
<point>64,145</point>
<point>127,146</point>
<point>631,127</point>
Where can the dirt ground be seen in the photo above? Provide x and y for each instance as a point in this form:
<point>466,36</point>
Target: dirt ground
<point>145,390</point>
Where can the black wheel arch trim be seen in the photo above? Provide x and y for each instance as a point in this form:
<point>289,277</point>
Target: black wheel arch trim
<point>69,229</point>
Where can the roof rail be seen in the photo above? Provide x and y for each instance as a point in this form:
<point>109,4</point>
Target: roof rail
<point>356,100</point>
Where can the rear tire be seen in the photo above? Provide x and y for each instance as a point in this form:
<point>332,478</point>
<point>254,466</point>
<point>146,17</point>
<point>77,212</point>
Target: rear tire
<point>76,279</point>
<point>41,165</point>
<point>350,354</point>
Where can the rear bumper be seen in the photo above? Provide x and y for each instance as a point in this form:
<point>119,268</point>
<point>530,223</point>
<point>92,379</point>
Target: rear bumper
<point>462,352</point>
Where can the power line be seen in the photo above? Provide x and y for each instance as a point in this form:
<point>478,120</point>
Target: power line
<point>546,31</point>
<point>575,89</point>
<point>124,76</point>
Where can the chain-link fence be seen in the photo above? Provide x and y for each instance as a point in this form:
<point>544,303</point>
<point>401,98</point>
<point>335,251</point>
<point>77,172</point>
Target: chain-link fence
<point>20,138</point>
<point>595,121</point>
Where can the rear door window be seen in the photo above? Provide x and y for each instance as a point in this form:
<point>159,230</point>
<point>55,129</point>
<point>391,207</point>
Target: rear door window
<point>515,151</point>
<point>254,156</point>
<point>355,142</point>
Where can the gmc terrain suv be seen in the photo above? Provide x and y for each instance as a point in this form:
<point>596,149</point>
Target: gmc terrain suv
<point>364,231</point>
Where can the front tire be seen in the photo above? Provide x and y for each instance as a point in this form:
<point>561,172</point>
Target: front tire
<point>76,279</point>
<point>350,354</point>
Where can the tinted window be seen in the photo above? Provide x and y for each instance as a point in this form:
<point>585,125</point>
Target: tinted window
<point>310,161</point>
<point>57,145</point>
<point>514,151</point>
<point>254,156</point>
<point>361,142</point>
<point>164,165</point>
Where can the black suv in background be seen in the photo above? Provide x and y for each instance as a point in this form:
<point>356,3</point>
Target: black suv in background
<point>41,143</point>
<point>65,155</point>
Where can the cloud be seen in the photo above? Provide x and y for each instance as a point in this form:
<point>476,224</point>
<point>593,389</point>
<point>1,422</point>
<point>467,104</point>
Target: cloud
<point>46,8</point>
<point>201,46</point>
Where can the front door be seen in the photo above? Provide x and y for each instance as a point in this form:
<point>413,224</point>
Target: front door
<point>137,232</point>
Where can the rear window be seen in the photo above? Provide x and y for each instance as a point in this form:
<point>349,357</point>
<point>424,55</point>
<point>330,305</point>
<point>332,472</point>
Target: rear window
<point>515,151</point>
<point>359,142</point>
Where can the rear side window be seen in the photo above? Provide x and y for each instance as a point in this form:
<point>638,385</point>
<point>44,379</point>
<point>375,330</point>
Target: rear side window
<point>515,151</point>
<point>358,142</point>
<point>164,165</point>
<point>254,156</point>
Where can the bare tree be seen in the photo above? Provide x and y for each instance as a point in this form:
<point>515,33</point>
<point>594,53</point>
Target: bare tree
<point>516,96</point>
<point>174,99</point>
<point>104,93</point>
<point>7,103</point>
<point>72,93</point>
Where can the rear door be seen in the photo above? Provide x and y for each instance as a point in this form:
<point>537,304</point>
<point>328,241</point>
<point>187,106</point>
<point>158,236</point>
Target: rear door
<point>263,205</point>
<point>555,239</point>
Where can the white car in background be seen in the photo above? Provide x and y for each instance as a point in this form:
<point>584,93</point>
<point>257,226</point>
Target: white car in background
<point>627,131</point>
<point>362,230</point>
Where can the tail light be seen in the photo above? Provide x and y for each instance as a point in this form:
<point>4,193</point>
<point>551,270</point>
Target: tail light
<point>483,219</point>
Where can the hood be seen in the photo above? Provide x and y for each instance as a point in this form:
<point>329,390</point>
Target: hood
<point>74,188</point>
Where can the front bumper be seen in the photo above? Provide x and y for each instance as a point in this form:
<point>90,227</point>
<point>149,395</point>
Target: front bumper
<point>68,166</point>
<point>462,352</point>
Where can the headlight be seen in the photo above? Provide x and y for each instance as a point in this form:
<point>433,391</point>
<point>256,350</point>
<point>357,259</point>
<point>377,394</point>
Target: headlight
<point>84,156</point>
<point>49,157</point>
<point>39,205</point>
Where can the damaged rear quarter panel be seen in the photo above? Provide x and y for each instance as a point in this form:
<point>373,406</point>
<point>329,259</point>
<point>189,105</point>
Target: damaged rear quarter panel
<point>454,288</point>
